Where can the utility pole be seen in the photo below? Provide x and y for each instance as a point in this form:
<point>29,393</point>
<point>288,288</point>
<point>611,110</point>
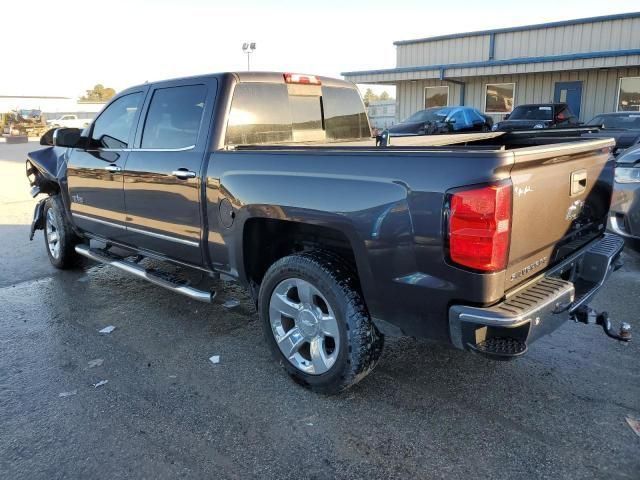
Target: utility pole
<point>249,48</point>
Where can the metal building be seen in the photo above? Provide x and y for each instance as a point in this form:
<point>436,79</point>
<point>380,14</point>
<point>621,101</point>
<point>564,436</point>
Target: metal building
<point>591,63</point>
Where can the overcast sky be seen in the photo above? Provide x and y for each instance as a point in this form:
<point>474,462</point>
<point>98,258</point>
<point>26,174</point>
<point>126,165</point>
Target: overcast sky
<point>62,47</point>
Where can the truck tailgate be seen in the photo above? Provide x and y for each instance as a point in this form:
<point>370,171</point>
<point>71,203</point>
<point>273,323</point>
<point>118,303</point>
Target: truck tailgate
<point>561,196</point>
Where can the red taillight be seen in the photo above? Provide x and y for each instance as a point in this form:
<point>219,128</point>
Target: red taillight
<point>304,79</point>
<point>480,227</point>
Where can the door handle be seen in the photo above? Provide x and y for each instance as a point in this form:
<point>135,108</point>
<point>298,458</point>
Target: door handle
<point>183,174</point>
<point>113,168</point>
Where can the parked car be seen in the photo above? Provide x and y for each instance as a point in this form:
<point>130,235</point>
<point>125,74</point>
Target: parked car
<point>251,177</point>
<point>437,120</point>
<point>538,115</point>
<point>69,121</point>
<point>624,127</point>
<point>624,218</point>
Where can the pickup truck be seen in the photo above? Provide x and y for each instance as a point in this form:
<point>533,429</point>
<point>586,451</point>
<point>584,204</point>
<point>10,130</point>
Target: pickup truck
<point>485,242</point>
<point>69,121</point>
<point>539,115</point>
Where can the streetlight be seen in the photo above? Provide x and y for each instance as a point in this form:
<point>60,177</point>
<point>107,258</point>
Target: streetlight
<point>249,48</point>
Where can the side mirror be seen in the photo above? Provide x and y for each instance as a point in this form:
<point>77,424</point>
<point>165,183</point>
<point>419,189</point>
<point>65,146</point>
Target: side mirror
<point>506,117</point>
<point>47,138</point>
<point>67,137</point>
<point>451,120</point>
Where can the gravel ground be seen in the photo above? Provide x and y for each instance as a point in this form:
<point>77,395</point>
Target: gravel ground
<point>427,411</point>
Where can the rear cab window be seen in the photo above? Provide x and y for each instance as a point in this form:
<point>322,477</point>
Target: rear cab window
<point>273,113</point>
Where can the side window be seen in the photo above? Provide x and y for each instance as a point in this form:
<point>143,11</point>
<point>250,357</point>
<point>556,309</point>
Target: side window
<point>259,114</point>
<point>459,118</point>
<point>113,127</point>
<point>563,114</point>
<point>475,116</point>
<point>174,117</point>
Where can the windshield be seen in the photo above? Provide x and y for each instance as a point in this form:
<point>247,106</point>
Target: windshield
<point>428,115</point>
<point>532,112</point>
<point>624,121</point>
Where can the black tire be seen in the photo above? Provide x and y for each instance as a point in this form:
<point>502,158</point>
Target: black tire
<point>360,341</point>
<point>64,256</point>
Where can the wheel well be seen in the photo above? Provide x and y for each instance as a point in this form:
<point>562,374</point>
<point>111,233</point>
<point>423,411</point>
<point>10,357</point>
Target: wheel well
<point>266,240</point>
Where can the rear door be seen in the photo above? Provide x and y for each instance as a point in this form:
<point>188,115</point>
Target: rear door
<point>162,181</point>
<point>95,174</point>
<point>561,197</point>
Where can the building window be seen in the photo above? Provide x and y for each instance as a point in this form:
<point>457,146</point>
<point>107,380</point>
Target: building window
<point>436,97</point>
<point>499,97</point>
<point>629,95</point>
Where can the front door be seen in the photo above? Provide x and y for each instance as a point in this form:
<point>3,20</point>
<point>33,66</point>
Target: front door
<point>162,181</point>
<point>569,93</point>
<point>95,174</point>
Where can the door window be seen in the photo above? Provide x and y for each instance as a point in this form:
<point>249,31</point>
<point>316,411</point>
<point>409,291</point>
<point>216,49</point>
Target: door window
<point>460,121</point>
<point>174,117</point>
<point>112,129</point>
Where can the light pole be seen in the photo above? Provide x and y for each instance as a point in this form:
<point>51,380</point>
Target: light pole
<point>249,48</point>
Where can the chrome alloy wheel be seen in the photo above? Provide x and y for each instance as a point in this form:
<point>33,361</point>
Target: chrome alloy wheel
<point>304,326</point>
<point>53,236</point>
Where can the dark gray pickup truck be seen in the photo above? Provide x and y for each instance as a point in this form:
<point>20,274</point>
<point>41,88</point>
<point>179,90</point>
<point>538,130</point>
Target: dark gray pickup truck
<point>485,243</point>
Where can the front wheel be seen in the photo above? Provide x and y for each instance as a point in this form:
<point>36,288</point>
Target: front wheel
<point>316,323</point>
<point>59,238</point>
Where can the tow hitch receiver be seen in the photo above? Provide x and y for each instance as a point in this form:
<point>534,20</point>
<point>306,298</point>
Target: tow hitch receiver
<point>589,316</point>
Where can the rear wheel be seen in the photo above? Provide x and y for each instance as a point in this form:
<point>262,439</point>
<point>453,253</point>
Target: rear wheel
<point>315,322</point>
<point>58,235</point>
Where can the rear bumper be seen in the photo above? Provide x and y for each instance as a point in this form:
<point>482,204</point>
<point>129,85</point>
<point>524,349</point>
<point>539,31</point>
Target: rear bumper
<point>542,305</point>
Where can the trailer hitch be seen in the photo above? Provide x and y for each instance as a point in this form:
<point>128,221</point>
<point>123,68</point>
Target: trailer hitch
<point>589,316</point>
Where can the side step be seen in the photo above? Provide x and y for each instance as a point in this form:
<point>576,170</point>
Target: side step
<point>500,348</point>
<point>155,277</point>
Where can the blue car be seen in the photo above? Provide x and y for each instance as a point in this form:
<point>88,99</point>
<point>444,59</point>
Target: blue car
<point>439,120</point>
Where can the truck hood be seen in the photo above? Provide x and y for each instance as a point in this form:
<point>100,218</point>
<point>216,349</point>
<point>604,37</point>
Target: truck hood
<point>624,138</point>
<point>413,127</point>
<point>416,127</point>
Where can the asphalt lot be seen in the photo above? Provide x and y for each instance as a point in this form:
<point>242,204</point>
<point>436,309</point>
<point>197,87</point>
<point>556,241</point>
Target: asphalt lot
<point>167,412</point>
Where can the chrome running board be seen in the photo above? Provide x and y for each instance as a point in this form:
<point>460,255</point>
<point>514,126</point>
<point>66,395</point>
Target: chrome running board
<point>154,277</point>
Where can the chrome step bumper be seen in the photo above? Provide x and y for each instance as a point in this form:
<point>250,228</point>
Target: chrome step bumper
<point>542,305</point>
<point>157,278</point>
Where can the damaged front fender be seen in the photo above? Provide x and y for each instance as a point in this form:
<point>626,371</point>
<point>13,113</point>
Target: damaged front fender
<point>46,169</point>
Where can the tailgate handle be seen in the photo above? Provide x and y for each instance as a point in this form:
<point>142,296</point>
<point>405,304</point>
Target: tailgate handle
<point>578,182</point>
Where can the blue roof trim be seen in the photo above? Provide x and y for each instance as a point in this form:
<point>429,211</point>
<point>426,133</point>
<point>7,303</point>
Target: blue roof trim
<point>562,23</point>
<point>496,63</point>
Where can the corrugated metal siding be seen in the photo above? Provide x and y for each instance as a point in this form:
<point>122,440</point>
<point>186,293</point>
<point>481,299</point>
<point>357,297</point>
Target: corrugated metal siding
<point>588,37</point>
<point>599,90</point>
<point>467,49</point>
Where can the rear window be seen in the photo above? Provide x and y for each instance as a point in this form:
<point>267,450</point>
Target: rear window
<point>344,114</point>
<point>259,114</point>
<point>532,112</point>
<point>266,113</point>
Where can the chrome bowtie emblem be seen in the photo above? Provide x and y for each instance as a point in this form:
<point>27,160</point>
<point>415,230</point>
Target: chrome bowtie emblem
<point>575,209</point>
